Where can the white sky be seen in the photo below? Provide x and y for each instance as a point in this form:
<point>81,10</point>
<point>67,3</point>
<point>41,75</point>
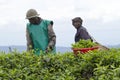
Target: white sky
<point>100,17</point>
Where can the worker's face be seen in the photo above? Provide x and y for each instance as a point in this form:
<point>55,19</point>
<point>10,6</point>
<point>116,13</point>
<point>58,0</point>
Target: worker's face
<point>34,20</point>
<point>76,24</point>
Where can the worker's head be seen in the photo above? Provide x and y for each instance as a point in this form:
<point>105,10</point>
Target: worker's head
<point>31,13</point>
<point>32,16</point>
<point>77,22</point>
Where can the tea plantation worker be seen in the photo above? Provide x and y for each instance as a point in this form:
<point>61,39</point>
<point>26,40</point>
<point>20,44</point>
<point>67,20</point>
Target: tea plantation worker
<point>39,33</point>
<point>82,32</point>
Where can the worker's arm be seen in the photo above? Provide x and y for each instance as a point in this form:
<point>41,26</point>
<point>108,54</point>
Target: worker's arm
<point>84,34</point>
<point>29,41</point>
<point>52,37</point>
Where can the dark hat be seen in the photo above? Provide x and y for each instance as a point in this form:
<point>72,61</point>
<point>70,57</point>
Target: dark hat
<point>77,19</point>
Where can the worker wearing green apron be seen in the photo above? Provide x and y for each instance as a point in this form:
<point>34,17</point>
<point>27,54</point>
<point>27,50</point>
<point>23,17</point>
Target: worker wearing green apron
<point>39,33</point>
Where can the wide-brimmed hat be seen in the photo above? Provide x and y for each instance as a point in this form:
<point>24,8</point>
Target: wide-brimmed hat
<point>31,13</point>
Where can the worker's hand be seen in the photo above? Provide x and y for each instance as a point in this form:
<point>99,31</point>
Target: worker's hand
<point>48,49</point>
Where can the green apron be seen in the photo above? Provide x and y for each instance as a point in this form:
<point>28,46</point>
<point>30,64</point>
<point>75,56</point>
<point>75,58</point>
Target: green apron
<point>39,36</point>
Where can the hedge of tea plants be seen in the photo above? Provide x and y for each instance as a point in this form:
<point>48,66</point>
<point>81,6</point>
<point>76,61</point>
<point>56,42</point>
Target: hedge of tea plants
<point>94,65</point>
<point>83,44</point>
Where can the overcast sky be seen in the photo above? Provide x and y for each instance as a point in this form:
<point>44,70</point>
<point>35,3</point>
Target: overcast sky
<point>100,17</point>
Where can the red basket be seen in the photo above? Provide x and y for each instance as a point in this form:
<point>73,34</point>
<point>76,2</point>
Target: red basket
<point>83,50</point>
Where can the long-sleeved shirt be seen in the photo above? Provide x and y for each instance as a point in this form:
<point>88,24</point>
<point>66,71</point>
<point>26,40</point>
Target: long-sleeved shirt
<point>51,35</point>
<point>82,34</point>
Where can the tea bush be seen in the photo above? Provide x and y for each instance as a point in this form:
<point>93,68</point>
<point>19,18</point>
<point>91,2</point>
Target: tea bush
<point>84,44</point>
<point>94,65</point>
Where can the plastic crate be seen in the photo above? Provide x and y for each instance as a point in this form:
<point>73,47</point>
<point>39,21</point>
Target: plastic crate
<point>83,50</point>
